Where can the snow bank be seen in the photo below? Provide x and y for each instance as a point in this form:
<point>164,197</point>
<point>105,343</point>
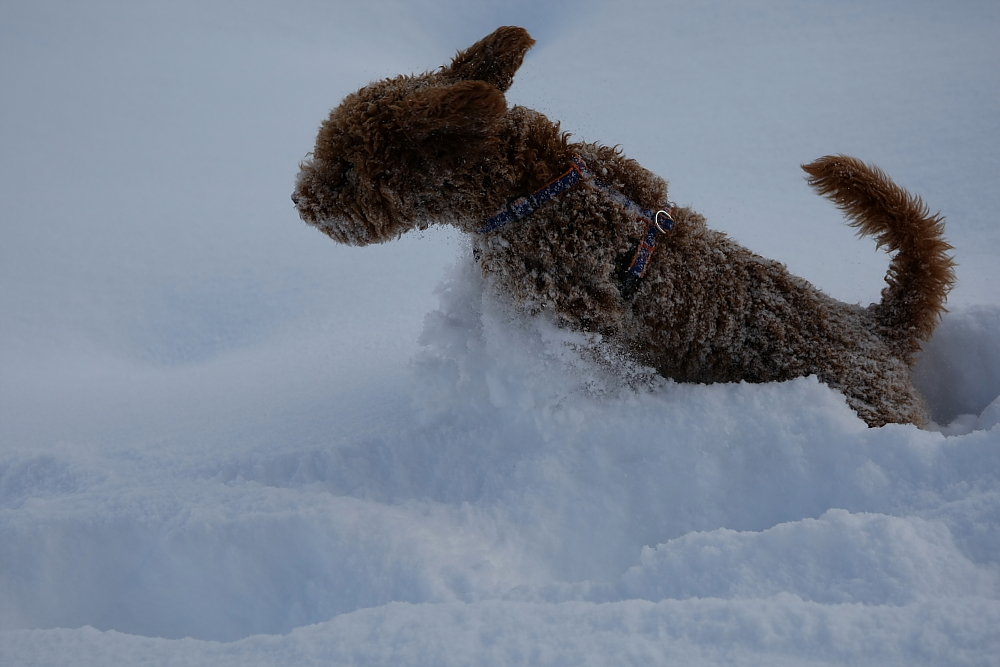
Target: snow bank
<point>536,500</point>
<point>781,631</point>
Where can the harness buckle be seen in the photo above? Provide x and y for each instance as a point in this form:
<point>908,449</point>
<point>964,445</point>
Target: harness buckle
<point>522,206</point>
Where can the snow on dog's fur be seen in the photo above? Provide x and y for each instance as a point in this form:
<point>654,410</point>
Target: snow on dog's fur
<point>444,147</point>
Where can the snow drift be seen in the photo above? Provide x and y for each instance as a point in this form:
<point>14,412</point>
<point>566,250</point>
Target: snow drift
<point>520,473</point>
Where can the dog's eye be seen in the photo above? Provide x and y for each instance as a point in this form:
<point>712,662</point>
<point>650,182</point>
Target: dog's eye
<point>340,172</point>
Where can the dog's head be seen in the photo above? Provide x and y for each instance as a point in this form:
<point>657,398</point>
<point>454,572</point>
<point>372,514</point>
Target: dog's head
<point>407,151</point>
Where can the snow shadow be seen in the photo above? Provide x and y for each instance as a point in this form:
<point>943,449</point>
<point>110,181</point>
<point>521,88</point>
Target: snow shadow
<point>959,369</point>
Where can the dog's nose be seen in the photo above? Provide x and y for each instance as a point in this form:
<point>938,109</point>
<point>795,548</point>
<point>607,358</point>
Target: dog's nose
<point>295,199</point>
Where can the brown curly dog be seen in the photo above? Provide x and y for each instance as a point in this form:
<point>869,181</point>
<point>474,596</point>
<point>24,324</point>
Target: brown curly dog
<point>581,231</point>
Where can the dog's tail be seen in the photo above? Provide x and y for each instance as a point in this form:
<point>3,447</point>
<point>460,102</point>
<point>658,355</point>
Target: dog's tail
<point>921,273</point>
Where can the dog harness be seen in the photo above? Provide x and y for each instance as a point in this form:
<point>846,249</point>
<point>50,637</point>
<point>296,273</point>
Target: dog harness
<point>657,223</point>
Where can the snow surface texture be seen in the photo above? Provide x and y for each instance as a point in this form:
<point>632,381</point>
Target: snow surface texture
<point>225,440</point>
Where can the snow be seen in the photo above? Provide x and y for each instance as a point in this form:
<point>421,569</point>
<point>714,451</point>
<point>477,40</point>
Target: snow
<point>226,440</point>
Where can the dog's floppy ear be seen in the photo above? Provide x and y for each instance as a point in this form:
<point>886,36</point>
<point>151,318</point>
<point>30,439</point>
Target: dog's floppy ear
<point>494,58</point>
<point>464,108</point>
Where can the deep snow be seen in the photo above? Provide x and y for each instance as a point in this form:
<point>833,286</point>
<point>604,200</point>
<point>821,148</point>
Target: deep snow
<point>226,440</point>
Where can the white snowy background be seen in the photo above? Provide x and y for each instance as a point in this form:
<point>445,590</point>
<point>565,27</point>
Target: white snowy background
<point>225,440</point>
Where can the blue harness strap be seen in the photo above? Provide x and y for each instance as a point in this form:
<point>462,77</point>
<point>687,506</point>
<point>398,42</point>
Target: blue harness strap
<point>656,223</point>
<point>523,206</point>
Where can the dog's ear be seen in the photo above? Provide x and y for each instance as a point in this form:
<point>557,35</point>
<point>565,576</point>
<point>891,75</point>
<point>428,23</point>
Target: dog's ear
<point>494,58</point>
<point>465,108</point>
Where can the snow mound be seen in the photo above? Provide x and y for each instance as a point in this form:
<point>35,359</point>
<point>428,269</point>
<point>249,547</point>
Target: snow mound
<point>522,477</point>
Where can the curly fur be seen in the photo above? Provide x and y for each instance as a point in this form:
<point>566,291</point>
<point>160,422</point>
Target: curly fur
<point>443,147</point>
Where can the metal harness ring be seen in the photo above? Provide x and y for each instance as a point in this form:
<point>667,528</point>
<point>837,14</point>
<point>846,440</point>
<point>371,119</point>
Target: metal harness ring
<point>656,221</point>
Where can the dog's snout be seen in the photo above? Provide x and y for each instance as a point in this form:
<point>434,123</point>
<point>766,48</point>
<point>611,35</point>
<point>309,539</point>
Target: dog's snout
<point>295,199</point>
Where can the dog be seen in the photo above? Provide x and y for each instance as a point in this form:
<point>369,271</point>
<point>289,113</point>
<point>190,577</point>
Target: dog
<point>581,231</point>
